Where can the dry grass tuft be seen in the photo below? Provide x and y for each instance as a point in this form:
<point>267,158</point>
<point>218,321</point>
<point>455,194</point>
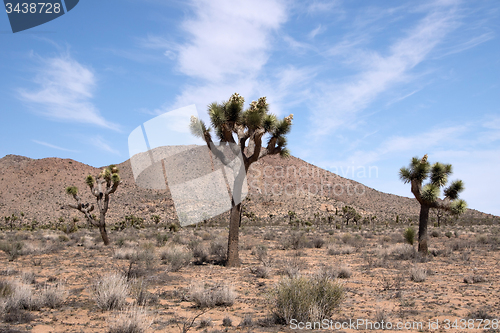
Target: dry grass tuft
<point>110,291</point>
<point>219,295</point>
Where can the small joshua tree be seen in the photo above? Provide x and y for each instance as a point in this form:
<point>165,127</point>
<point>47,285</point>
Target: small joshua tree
<point>234,127</point>
<point>428,195</point>
<point>349,213</point>
<point>101,187</point>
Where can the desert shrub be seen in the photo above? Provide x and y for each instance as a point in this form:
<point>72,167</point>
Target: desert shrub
<point>28,277</point>
<point>218,249</point>
<point>327,272</point>
<point>227,322</point>
<point>6,288</point>
<point>53,296</point>
<point>176,257</point>
<point>305,299</point>
<point>16,316</point>
<point>22,297</point>
<point>344,272</point>
<point>261,271</point>
<point>402,251</point>
<point>200,253</point>
<point>139,292</point>
<point>125,253</point>
<point>208,297</point>
<point>317,242</point>
<point>333,250</point>
<point>292,267</point>
<point>409,235</point>
<point>474,279</point>
<point>133,320</point>
<point>296,240</point>
<point>461,245</point>
<point>481,313</point>
<point>448,234</point>
<point>347,238</point>
<point>63,238</point>
<point>260,252</point>
<point>110,291</point>
<point>435,233</point>
<point>161,239</point>
<point>13,250</point>
<point>269,235</point>
<point>246,322</point>
<point>418,274</point>
<point>205,322</point>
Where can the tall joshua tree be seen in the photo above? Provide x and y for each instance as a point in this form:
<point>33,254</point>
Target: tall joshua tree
<point>428,195</point>
<point>101,187</point>
<point>235,127</point>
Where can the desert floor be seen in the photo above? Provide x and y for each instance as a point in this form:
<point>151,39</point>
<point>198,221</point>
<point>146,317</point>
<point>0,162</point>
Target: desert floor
<point>382,276</point>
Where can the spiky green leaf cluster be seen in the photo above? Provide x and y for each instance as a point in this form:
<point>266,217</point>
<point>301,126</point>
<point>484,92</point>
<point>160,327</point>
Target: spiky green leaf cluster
<point>198,127</point>
<point>417,170</point>
<point>72,190</point>
<point>440,173</point>
<point>110,173</point>
<point>454,189</point>
<point>115,178</point>
<point>458,207</point>
<point>430,192</point>
<point>90,181</point>
<point>285,153</point>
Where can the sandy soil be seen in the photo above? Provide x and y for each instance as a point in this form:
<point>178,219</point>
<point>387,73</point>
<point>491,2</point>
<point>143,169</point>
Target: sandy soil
<point>462,280</point>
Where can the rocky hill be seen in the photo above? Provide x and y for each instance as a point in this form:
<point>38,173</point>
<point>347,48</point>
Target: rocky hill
<point>36,187</point>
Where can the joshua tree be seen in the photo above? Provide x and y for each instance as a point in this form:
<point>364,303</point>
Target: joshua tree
<point>428,195</point>
<point>234,127</point>
<point>107,182</point>
<point>349,213</point>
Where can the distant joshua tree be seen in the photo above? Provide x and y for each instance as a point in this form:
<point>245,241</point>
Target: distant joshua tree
<point>428,195</point>
<point>234,127</point>
<point>349,213</point>
<point>101,187</point>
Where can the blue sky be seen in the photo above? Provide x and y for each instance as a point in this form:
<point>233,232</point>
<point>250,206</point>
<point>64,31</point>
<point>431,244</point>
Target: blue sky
<point>370,83</point>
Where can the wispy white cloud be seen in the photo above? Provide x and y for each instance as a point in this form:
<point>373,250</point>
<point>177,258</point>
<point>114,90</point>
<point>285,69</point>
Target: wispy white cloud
<point>315,7</point>
<point>469,44</point>
<point>64,93</point>
<point>228,38</point>
<point>421,143</point>
<point>100,143</point>
<point>227,45</point>
<point>53,146</point>
<point>318,30</point>
<point>337,104</point>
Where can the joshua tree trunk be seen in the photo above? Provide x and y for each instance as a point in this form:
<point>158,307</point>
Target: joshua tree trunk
<point>233,259</point>
<point>422,229</point>
<point>102,229</point>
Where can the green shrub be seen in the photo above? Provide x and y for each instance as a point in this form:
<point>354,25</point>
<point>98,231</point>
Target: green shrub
<point>173,227</point>
<point>409,235</point>
<point>305,299</point>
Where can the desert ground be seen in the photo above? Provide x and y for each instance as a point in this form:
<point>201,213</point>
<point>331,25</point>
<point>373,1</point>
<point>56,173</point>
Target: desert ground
<point>165,280</point>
